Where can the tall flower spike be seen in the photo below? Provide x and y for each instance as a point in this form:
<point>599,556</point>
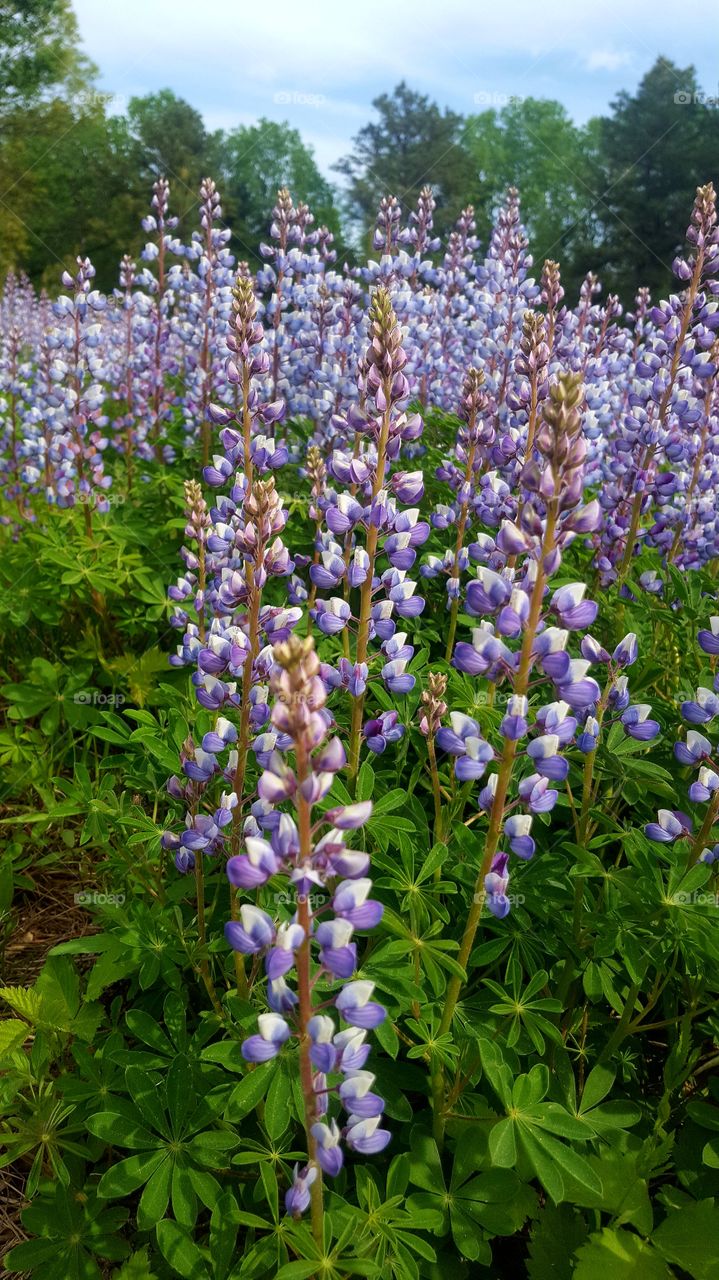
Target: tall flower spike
<point>664,397</point>
<point>550,517</point>
<point>388,426</point>
<point>246,443</point>
<point>552,295</point>
<point>331,1061</point>
<point>475,437</point>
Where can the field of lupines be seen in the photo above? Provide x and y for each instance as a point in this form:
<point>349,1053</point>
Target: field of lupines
<point>359,906</point>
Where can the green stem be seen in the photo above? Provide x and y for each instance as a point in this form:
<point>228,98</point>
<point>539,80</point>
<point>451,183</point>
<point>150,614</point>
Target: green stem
<point>366,596</point>
<point>622,1028</point>
<point>304,995</point>
<point>459,540</point>
<point>702,835</point>
<point>202,936</point>
<point>438,832</point>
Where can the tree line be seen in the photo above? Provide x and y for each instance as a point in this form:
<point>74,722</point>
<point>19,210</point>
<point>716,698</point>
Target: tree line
<point>75,173</point>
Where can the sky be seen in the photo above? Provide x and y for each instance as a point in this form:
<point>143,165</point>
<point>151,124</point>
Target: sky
<point>318,65</point>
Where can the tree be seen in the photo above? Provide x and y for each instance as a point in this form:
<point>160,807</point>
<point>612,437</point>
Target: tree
<point>533,145</point>
<point>657,147</point>
<point>250,164</point>
<point>413,144</point>
<point>70,186</point>
<point>38,51</point>
<point>171,142</point>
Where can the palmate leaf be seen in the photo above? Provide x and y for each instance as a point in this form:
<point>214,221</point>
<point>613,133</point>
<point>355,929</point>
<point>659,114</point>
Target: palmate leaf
<point>476,1206</point>
<point>173,1151</point>
<point>74,1228</point>
<point>530,1128</point>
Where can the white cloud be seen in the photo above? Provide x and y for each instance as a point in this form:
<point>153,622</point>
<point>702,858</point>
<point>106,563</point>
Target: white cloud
<point>607,60</point>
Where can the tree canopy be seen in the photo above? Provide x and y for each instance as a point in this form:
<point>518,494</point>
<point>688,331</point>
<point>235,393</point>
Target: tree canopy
<point>412,144</point>
<point>611,196</point>
<point>251,163</point>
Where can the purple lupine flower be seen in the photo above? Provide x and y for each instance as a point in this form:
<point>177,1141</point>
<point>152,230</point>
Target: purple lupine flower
<point>707,782</point>
<point>625,654</point>
<point>671,825</point>
<point>329,1151</point>
<point>702,709</point>
<point>637,723</point>
<point>589,737</point>
<point>709,640</point>
<point>496,883</point>
<point>332,615</point>
<point>464,741</point>
<point>574,612</point>
<point>281,958</point>
<point>357,1008</point>
<point>543,753</point>
<point>351,902</point>
<point>297,1197</point>
<point>517,828</point>
<point>365,1136</point>
<point>273,1033</point>
<point>382,731</point>
<point>537,794</point>
<point>515,724</point>
<point>696,748</point>
<point>252,932</point>
<point>311,863</point>
<point>338,953</point>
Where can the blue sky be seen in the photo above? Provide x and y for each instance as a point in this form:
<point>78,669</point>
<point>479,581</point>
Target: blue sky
<point>318,64</point>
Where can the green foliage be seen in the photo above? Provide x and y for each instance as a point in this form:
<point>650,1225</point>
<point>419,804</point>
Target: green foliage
<point>533,145</point>
<point>38,51</point>
<point>250,164</point>
<point>572,1138</point>
<point>648,186</point>
<point>411,141</point>
<point>580,1136</point>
